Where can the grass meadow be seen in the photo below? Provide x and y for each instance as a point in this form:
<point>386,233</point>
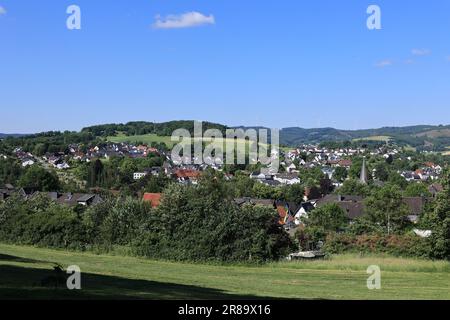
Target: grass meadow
<point>125,277</point>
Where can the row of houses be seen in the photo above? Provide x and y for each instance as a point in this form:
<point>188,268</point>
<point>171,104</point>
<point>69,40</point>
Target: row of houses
<point>109,150</point>
<point>69,199</point>
<point>26,158</point>
<point>276,179</point>
<point>422,174</point>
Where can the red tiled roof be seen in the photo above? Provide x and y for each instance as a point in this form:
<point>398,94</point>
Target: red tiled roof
<point>187,173</point>
<point>345,163</point>
<point>153,198</point>
<point>282,212</point>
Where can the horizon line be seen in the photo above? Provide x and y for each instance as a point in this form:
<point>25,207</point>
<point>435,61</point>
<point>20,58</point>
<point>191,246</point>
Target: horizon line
<point>228,126</point>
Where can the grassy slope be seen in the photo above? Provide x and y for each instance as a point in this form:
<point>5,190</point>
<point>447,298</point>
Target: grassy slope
<point>146,138</point>
<point>435,133</point>
<point>107,276</point>
<point>375,138</point>
<point>149,138</point>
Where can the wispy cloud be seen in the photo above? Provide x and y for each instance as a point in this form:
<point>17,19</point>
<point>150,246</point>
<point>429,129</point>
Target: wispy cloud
<point>2,11</point>
<point>448,58</point>
<point>421,52</point>
<point>384,63</point>
<point>185,20</point>
<point>409,61</point>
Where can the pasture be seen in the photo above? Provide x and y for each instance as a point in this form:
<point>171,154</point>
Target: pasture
<point>124,277</point>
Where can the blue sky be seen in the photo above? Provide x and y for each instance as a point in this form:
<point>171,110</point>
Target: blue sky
<point>308,63</point>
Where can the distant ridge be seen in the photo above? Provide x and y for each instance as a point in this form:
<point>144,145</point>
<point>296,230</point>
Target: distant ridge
<point>421,137</point>
<point>14,135</point>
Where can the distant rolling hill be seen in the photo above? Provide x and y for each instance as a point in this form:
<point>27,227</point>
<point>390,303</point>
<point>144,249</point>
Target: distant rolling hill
<point>14,135</point>
<point>432,137</point>
<point>421,136</point>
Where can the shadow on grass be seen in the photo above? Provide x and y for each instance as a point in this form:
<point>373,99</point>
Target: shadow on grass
<point>6,257</point>
<point>24,283</point>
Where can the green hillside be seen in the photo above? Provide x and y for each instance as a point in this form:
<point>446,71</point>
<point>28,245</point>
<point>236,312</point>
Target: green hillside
<point>153,138</point>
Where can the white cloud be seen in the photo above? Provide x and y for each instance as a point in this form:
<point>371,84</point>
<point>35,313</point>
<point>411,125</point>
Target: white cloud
<point>185,20</point>
<point>384,63</point>
<point>2,11</point>
<point>421,52</point>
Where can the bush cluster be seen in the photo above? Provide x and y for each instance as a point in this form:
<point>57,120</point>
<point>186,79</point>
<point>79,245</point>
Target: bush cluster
<point>196,223</point>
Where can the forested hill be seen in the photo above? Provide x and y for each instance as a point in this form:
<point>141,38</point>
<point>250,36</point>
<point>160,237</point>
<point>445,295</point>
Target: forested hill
<point>14,135</point>
<point>142,127</point>
<point>423,136</point>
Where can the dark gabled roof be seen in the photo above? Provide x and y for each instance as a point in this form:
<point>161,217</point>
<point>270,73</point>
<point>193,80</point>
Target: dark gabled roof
<point>352,205</point>
<point>27,191</point>
<point>240,201</point>
<point>85,197</point>
<point>53,195</point>
<point>294,207</point>
<point>330,198</point>
<point>271,182</point>
<point>353,209</point>
<point>308,206</point>
<point>435,188</point>
<point>416,204</point>
<point>263,202</point>
<point>287,176</point>
<point>255,202</point>
<point>72,199</point>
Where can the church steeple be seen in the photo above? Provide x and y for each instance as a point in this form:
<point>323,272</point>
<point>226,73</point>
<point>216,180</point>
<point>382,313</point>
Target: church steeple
<point>363,176</point>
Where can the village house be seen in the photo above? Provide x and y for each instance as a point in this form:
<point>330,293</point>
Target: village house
<point>187,176</point>
<point>255,202</point>
<point>287,178</point>
<point>435,188</point>
<point>352,205</point>
<point>74,199</point>
<point>153,198</point>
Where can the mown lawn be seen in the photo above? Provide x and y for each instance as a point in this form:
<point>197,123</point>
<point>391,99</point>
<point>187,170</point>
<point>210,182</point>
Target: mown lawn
<point>120,277</point>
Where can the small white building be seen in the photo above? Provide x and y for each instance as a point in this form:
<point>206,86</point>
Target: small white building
<point>27,162</point>
<point>139,175</point>
<point>287,178</point>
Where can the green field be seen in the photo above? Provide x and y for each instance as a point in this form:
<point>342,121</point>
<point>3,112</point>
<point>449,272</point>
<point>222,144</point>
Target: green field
<point>149,138</point>
<point>120,277</point>
<point>146,138</point>
<point>375,138</point>
<point>446,153</point>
